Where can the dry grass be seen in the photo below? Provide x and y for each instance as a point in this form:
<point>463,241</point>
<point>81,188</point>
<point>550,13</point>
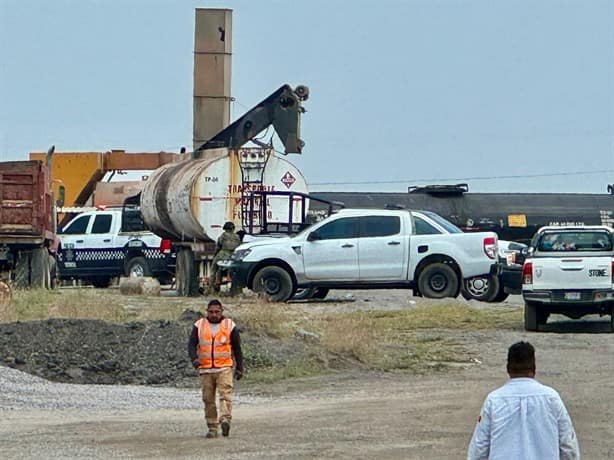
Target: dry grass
<point>414,338</point>
<point>104,304</point>
<point>425,337</point>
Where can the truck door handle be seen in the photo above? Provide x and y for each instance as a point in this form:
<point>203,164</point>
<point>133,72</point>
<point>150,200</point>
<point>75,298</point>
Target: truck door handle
<point>347,245</point>
<point>79,241</point>
<point>394,243</point>
<point>106,241</point>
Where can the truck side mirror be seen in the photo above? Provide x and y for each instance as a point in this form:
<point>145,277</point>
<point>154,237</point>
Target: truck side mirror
<point>313,236</point>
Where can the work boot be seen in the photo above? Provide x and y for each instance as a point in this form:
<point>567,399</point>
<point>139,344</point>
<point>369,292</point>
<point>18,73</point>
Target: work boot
<point>212,433</point>
<point>225,428</point>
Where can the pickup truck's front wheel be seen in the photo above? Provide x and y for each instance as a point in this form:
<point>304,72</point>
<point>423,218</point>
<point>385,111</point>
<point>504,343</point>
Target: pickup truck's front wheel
<point>274,282</point>
<point>437,281</point>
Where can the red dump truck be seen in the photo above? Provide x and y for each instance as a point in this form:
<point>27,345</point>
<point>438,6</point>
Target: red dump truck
<point>27,225</point>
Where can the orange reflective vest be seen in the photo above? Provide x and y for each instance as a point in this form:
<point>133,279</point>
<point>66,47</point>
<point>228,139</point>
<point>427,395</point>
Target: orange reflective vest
<point>214,351</point>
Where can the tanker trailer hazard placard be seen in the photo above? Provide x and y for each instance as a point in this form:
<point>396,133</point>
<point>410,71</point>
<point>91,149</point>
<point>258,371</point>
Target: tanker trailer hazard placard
<point>288,179</point>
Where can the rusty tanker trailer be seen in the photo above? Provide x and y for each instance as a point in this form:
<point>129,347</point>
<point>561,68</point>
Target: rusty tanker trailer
<point>189,202</point>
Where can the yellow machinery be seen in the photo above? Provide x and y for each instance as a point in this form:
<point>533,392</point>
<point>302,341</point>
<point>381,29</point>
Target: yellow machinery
<point>78,172</point>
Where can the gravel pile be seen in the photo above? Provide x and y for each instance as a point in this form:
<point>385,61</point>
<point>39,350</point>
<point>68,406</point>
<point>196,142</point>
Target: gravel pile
<point>97,352</point>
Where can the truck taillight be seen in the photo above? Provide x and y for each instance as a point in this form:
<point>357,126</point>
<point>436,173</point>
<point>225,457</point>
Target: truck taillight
<point>527,273</point>
<point>165,246</point>
<point>490,247</point>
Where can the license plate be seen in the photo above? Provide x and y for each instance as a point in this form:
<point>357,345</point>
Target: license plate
<point>70,264</point>
<point>572,296</point>
<point>135,243</point>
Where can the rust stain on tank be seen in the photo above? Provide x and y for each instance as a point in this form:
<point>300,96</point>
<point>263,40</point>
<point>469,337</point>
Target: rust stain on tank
<point>234,175</point>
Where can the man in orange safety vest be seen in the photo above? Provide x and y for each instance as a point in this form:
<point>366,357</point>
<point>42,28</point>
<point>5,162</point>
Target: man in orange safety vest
<point>215,348</point>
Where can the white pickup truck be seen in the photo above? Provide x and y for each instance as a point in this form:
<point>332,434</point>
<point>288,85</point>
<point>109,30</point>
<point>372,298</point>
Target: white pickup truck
<point>97,246</point>
<point>569,271</point>
<point>367,249</point>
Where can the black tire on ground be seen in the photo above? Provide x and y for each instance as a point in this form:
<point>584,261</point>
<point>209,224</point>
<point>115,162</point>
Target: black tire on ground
<point>53,273</point>
<point>193,271</point>
<point>274,282</point>
<point>482,288</point>
<point>304,293</point>
<point>530,316</point>
<point>39,269</point>
<point>501,295</point>
<point>321,293</point>
<point>185,272</point>
<point>101,281</point>
<point>438,280</point>
<point>137,267</point>
<point>179,273</point>
<point>22,270</point>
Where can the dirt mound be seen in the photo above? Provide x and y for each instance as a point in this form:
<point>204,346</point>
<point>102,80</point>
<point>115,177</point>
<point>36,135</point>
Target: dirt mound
<point>141,353</point>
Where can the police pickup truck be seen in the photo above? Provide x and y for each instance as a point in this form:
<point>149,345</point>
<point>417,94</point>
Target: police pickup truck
<point>97,246</point>
<point>569,271</point>
<point>367,249</point>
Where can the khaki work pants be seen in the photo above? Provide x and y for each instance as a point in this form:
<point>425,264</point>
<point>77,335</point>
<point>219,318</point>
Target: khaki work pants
<point>220,382</point>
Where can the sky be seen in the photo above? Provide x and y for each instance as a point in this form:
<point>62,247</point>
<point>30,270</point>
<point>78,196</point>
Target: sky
<point>514,96</point>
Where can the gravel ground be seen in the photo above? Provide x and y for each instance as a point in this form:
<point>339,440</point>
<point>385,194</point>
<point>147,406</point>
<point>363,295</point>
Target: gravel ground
<point>349,415</point>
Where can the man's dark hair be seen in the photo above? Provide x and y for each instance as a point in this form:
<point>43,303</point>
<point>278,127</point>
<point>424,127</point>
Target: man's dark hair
<point>521,358</point>
<point>214,302</point>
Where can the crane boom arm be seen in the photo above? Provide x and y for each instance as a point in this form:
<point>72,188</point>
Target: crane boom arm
<point>282,109</point>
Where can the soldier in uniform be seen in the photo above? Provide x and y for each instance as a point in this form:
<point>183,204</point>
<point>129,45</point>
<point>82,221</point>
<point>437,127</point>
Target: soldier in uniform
<point>224,247</point>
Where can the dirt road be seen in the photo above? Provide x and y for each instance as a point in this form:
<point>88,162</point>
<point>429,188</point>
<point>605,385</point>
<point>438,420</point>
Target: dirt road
<point>360,416</point>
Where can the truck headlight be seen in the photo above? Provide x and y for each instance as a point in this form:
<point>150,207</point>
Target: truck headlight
<point>240,254</point>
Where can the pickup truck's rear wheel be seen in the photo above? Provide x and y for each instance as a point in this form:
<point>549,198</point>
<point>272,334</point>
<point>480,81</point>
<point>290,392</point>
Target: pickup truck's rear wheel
<point>310,293</point>
<point>437,281</point>
<point>501,295</point>
<point>274,282</point>
<point>137,267</point>
<point>482,288</point>
<point>304,294</point>
<point>530,316</point>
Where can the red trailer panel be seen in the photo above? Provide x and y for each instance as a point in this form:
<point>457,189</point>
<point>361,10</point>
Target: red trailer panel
<point>25,200</point>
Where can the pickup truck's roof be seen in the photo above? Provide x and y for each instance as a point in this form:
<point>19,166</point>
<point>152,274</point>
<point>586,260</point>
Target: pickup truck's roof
<point>371,211</point>
<point>576,228</point>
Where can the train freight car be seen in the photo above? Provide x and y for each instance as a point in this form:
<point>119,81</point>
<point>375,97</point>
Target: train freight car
<point>513,216</point>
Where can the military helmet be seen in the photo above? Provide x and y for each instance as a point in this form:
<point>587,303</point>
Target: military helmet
<point>229,226</point>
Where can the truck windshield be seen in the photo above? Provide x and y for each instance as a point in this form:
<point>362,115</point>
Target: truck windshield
<point>449,226</point>
<point>582,240</point>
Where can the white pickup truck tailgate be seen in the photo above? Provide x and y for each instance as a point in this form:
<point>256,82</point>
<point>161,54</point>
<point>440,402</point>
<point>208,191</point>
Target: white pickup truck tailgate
<point>572,272</point>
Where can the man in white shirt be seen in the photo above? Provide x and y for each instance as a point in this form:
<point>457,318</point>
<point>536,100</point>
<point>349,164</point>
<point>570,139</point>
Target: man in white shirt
<point>523,419</point>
